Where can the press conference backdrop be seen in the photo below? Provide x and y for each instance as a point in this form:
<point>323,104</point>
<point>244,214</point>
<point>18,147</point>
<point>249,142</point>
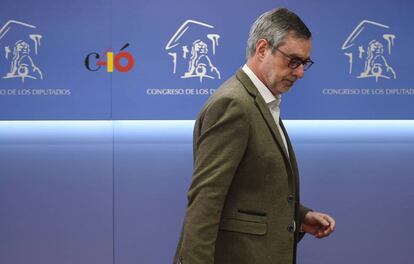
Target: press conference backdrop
<point>82,181</point>
<point>129,59</point>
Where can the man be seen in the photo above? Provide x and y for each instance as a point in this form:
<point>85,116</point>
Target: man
<point>243,203</point>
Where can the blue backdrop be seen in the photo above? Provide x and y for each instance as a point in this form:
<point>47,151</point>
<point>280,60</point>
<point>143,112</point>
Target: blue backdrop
<point>115,191</point>
<point>362,54</point>
<point>103,178</point>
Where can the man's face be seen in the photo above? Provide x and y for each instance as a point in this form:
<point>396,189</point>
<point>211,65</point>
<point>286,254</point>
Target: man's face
<point>274,71</point>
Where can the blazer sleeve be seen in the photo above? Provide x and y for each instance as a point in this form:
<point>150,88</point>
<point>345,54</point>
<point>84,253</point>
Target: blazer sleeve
<point>221,138</point>
<point>303,210</point>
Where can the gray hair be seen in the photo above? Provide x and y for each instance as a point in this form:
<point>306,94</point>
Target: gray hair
<point>273,26</point>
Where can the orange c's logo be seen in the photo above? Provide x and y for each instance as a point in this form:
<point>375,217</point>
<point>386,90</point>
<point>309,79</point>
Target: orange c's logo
<point>122,61</point>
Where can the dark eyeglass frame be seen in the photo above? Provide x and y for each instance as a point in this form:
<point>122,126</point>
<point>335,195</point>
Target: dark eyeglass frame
<point>296,62</point>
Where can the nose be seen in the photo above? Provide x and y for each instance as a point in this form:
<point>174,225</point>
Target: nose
<point>299,72</point>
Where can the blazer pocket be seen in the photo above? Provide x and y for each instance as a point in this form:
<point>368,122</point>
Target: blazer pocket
<point>242,226</point>
<point>251,216</point>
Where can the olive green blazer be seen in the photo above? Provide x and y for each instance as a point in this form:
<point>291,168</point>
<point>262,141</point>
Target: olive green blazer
<point>243,202</point>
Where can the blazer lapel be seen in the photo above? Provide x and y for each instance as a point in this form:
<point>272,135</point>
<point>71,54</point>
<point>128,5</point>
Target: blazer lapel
<point>292,157</point>
<point>289,144</point>
<point>264,109</point>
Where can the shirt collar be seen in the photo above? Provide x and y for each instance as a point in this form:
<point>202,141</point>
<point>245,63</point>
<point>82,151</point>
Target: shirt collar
<point>267,95</point>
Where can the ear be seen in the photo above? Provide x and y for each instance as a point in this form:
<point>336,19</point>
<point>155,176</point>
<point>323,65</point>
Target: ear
<point>261,47</point>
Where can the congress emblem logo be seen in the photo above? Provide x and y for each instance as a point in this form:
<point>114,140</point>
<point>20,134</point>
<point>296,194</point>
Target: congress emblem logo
<point>19,46</point>
<point>369,50</point>
<point>192,49</point>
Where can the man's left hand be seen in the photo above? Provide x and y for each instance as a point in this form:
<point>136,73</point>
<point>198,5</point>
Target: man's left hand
<point>318,224</point>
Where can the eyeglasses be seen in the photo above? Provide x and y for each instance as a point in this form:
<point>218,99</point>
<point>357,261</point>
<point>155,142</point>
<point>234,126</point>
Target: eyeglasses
<point>296,62</point>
